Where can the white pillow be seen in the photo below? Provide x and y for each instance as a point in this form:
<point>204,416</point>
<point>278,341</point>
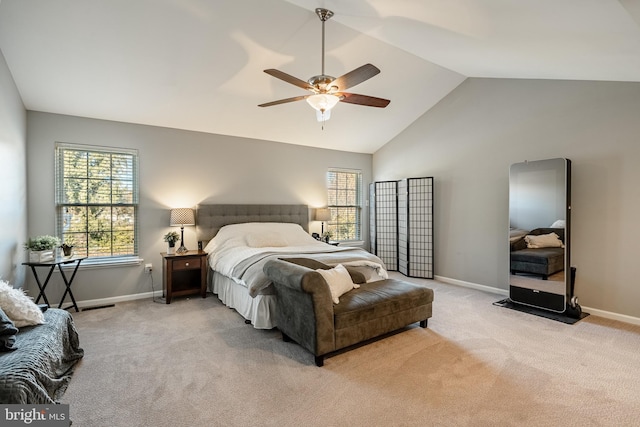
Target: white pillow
<point>265,240</point>
<point>551,240</point>
<point>292,234</point>
<point>18,307</point>
<point>339,281</point>
<point>558,224</point>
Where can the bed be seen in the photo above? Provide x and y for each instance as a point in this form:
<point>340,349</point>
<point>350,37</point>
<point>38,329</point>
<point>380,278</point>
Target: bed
<point>240,239</point>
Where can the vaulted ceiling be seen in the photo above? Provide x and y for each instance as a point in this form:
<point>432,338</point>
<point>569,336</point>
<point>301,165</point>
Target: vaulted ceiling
<point>198,64</point>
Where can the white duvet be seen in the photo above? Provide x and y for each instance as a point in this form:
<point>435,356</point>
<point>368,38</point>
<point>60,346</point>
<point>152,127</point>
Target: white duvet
<point>238,242</point>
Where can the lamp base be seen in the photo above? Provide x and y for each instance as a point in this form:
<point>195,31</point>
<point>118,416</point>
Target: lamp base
<point>181,250</point>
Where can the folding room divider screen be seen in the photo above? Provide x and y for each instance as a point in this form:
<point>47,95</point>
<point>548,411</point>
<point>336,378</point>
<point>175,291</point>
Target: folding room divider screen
<point>401,225</point>
<point>383,200</point>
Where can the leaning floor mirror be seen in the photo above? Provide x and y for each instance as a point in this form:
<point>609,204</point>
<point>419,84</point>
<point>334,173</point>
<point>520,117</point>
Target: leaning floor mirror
<point>540,236</point>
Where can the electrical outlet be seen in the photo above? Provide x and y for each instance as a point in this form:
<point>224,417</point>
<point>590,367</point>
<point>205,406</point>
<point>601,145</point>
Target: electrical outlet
<point>148,268</point>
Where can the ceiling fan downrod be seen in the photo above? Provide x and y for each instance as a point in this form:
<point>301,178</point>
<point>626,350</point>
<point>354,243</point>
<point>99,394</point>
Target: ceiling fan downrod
<point>324,15</point>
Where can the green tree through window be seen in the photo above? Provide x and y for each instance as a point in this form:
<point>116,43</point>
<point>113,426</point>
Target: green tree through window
<point>97,199</point>
<point>344,192</point>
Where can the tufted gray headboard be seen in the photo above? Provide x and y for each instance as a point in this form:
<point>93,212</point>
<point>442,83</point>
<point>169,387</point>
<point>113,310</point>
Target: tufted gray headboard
<point>210,218</point>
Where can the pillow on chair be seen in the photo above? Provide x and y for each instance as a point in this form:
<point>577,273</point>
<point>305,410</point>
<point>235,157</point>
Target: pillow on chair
<point>356,276</point>
<point>339,281</point>
<point>551,240</point>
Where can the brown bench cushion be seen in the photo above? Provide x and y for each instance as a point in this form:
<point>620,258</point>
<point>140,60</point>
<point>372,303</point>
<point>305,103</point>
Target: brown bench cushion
<point>379,299</point>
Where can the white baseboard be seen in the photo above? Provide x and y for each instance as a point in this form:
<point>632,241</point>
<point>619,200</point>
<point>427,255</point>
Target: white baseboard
<point>592,311</point>
<point>472,285</point>
<point>610,315</point>
<point>113,300</point>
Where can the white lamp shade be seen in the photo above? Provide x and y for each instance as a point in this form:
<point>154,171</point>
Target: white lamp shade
<point>182,216</point>
<point>323,214</point>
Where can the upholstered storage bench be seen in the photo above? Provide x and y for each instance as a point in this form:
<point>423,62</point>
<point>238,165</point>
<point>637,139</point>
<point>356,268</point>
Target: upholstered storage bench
<point>543,261</point>
<point>306,314</point>
<point>539,261</point>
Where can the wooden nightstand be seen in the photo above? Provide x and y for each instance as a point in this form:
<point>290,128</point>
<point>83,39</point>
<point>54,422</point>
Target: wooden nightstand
<point>184,274</point>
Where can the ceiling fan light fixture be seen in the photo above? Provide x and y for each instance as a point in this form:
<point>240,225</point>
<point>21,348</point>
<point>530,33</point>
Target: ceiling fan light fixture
<point>327,90</point>
<point>323,115</point>
<point>323,102</point>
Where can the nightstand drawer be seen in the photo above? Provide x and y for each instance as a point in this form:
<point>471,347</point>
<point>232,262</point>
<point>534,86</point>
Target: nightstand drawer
<point>186,264</point>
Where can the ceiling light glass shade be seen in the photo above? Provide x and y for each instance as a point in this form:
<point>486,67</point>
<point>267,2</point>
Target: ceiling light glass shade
<point>323,103</point>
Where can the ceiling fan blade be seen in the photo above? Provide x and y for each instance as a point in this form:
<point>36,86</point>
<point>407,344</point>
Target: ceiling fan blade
<point>369,101</point>
<point>355,77</point>
<point>284,101</point>
<point>289,79</point>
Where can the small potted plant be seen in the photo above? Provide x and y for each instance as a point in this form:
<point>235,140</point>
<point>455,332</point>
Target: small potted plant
<point>326,236</point>
<point>41,248</point>
<point>171,238</point>
<point>67,250</point>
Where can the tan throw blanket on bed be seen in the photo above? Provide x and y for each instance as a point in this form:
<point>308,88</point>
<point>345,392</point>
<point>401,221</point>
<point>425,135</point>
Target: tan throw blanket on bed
<point>249,271</point>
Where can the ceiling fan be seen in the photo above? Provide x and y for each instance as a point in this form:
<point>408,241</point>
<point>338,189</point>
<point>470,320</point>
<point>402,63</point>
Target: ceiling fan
<point>327,91</point>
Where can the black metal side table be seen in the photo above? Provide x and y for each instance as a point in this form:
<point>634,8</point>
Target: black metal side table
<point>59,262</point>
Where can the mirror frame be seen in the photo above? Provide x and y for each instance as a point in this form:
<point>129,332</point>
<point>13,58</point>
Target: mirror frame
<point>534,291</point>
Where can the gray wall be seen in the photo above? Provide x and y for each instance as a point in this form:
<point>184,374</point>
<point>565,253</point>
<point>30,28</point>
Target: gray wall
<point>13,191</point>
<point>468,141</point>
<point>177,169</point>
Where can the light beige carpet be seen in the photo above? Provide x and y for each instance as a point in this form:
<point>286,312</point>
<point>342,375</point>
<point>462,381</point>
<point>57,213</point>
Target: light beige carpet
<point>195,363</point>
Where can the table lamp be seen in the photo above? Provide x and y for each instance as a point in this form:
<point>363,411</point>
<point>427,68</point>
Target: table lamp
<point>181,217</point>
<point>323,214</point>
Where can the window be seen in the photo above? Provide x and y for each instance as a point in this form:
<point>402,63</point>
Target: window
<point>344,191</point>
<point>97,200</point>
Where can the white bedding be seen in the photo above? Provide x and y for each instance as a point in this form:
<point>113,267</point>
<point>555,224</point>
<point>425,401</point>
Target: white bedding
<point>238,252</point>
<point>236,242</point>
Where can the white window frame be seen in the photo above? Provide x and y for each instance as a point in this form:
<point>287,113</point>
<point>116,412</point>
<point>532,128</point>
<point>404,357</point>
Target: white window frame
<point>61,204</point>
<point>334,223</point>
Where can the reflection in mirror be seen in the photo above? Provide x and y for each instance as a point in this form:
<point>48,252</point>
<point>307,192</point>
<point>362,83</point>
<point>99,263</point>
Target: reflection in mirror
<point>539,219</point>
